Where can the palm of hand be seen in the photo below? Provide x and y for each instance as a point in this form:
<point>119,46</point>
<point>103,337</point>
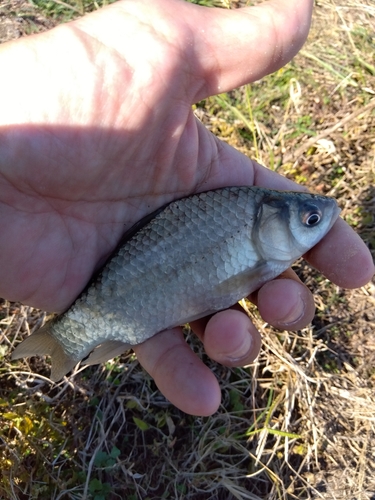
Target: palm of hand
<point>75,179</point>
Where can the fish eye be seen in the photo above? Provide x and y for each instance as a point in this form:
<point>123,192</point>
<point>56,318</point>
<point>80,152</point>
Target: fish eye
<point>312,217</point>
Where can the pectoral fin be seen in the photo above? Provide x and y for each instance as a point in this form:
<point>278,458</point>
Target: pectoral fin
<point>248,281</point>
<point>42,343</point>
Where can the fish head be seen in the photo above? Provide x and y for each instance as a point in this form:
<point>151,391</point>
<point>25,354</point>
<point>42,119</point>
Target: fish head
<point>291,223</point>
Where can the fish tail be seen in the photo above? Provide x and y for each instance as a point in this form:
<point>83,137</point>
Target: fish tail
<point>42,343</point>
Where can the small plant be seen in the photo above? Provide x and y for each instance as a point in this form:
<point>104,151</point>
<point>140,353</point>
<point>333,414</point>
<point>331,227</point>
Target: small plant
<point>105,460</point>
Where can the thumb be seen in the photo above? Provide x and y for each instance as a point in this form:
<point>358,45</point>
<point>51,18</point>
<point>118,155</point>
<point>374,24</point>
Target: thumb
<point>235,47</point>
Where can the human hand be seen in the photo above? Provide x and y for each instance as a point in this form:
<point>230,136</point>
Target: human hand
<point>97,130</point>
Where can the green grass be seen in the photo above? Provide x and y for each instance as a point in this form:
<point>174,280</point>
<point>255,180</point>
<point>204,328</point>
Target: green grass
<point>65,10</point>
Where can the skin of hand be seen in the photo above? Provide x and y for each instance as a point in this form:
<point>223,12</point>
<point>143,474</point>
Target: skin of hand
<point>97,130</point>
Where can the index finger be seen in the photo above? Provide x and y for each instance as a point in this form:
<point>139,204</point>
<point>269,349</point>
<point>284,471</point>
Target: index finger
<point>343,257</point>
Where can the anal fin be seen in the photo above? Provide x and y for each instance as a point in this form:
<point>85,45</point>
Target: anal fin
<point>108,350</point>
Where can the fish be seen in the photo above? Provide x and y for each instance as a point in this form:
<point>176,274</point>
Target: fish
<point>189,259</point>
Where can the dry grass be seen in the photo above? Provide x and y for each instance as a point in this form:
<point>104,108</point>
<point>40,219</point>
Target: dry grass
<point>298,423</point>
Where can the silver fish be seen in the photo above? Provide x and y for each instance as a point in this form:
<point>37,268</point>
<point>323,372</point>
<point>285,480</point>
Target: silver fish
<point>187,260</point>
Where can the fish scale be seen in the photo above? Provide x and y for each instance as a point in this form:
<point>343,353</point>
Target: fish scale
<point>191,258</point>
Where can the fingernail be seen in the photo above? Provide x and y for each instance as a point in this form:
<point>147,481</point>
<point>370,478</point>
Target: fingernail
<point>294,314</point>
<point>243,350</point>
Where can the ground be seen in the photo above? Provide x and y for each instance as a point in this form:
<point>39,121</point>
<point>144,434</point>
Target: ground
<point>300,421</point>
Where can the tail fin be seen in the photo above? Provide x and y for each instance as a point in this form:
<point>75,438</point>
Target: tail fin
<point>41,343</point>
